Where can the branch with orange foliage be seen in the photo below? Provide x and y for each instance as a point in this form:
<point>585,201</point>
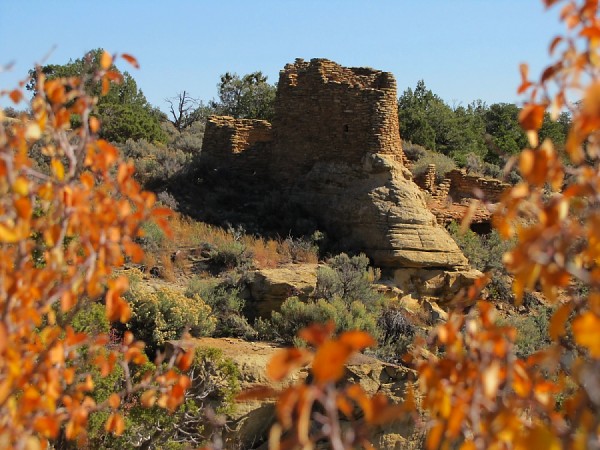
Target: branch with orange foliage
<point>477,393</point>
<point>310,412</point>
<point>62,235</point>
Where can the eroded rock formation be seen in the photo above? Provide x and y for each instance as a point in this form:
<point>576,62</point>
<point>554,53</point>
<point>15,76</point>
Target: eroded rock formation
<point>334,147</point>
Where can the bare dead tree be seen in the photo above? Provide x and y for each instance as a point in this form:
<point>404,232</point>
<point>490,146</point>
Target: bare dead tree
<point>184,109</point>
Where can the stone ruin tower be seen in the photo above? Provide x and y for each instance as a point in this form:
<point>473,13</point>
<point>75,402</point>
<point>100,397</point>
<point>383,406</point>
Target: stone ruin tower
<point>326,112</point>
<point>334,147</point>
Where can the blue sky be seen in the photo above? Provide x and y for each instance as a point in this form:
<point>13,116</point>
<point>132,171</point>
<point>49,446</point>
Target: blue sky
<point>463,49</point>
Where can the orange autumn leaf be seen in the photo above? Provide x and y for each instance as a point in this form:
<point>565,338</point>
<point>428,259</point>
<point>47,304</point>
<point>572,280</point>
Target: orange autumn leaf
<point>131,60</point>
<point>586,330</point>
<point>115,424</point>
<point>285,361</point>
<point>105,85</point>
<point>531,117</point>
<point>148,398</point>
<point>329,361</point>
<point>94,124</point>
<point>357,340</point>
<point>185,360</point>
<point>47,426</point>
<point>15,95</point>
<point>114,401</point>
<point>317,333</point>
<point>105,60</point>
<point>256,393</point>
<point>558,320</point>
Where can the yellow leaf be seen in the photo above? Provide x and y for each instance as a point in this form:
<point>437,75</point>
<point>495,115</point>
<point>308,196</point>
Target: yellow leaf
<point>58,169</point>
<point>8,235</point>
<point>33,132</point>
<point>586,329</point>
<point>105,60</point>
<point>21,186</point>
<point>491,380</point>
<point>148,398</point>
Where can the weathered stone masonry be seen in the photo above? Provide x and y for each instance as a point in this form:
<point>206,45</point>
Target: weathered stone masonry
<point>241,145</point>
<point>326,112</point>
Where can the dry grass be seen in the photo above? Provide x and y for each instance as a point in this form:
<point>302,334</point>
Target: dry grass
<point>189,234</point>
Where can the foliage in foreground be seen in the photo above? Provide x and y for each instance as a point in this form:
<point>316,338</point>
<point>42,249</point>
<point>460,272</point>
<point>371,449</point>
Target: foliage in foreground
<point>62,234</point>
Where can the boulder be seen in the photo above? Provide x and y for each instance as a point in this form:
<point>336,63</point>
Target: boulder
<point>441,284</point>
<point>269,288</point>
<point>376,207</point>
<point>250,422</point>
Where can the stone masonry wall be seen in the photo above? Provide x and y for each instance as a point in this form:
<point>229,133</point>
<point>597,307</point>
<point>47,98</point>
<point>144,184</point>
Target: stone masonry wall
<point>326,112</point>
<point>243,145</point>
<point>463,185</point>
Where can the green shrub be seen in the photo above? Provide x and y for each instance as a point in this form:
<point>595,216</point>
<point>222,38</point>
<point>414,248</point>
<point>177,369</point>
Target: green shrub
<point>163,314</point>
<point>396,331</point>
<point>296,314</point>
<point>414,152</point>
<point>153,238</point>
<point>484,252</point>
<point>91,319</point>
<point>532,330</point>
<point>443,164</point>
<point>227,305</point>
<point>230,255</point>
<point>349,278</point>
<point>154,162</point>
<point>215,382</point>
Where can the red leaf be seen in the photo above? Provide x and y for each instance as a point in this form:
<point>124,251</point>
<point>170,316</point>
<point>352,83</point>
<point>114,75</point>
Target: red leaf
<point>131,60</point>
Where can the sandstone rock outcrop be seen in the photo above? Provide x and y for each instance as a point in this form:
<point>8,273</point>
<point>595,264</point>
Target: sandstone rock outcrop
<point>335,149</point>
<point>250,423</point>
<point>271,287</point>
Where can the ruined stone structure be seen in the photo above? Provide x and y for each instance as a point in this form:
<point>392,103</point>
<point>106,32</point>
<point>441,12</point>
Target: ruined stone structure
<point>243,145</point>
<point>450,199</point>
<point>335,149</point>
<point>325,112</point>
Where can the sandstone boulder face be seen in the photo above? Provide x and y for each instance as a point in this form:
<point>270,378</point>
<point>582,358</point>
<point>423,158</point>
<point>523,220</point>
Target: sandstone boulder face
<point>376,207</point>
<point>440,284</point>
<point>250,423</point>
<point>269,288</point>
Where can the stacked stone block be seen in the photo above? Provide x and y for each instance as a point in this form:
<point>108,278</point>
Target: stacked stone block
<point>464,185</point>
<point>326,112</point>
<point>242,145</point>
